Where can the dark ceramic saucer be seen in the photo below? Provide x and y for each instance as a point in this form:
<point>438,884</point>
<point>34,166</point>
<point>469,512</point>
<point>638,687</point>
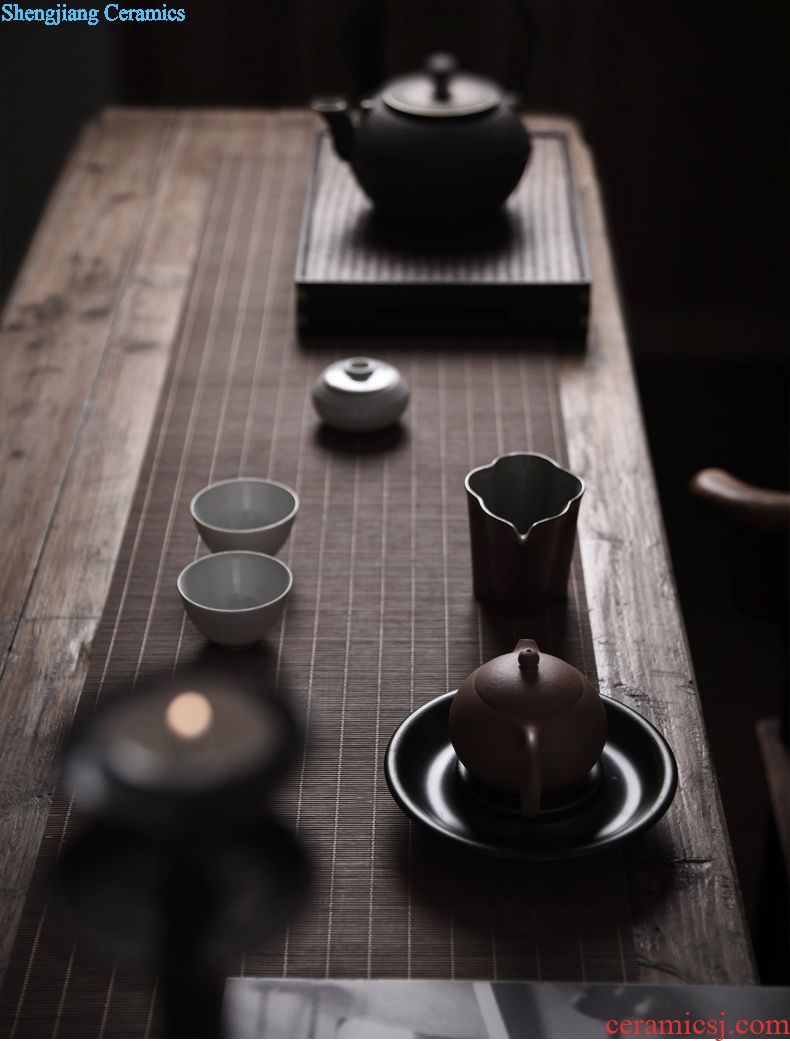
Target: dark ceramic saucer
<point>629,790</point>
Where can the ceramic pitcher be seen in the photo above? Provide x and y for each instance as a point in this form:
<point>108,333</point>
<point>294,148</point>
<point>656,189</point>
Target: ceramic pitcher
<point>522,524</point>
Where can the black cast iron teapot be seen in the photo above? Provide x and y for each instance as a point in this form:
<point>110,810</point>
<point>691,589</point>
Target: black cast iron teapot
<point>438,147</point>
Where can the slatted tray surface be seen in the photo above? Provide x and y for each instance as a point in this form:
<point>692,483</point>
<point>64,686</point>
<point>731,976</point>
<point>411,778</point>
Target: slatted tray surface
<point>524,271</point>
<point>381,620</point>
<point>545,244</point>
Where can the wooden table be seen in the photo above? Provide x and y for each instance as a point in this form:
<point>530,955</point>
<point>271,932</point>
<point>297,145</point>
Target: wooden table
<point>86,337</point>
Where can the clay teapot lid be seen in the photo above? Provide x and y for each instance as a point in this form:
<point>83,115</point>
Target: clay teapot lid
<point>440,90</point>
<point>526,682</point>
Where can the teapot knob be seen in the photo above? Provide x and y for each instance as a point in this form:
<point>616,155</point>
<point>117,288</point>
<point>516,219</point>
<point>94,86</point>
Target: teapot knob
<point>528,658</point>
<point>441,67</point>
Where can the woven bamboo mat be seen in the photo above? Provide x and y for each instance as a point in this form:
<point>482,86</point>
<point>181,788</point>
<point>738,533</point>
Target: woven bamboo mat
<point>381,620</point>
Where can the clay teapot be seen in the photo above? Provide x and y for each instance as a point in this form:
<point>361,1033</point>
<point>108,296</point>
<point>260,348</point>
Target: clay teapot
<point>528,723</point>
<point>436,147</point>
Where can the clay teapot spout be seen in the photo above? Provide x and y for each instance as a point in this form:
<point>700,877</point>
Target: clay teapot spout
<point>334,111</point>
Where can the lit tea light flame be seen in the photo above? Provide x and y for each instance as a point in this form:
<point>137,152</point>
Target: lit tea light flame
<point>189,715</point>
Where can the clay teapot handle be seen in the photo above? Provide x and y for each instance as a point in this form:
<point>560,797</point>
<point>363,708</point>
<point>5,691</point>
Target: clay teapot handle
<point>529,785</point>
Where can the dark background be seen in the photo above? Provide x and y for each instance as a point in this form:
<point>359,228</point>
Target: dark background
<point>685,106</point>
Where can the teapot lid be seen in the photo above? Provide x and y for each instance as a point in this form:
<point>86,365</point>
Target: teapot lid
<point>526,682</point>
<point>440,90</point>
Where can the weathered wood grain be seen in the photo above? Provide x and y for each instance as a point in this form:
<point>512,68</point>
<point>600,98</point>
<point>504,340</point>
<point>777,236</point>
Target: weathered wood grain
<point>56,331</point>
<point>84,440</point>
<point>684,890</point>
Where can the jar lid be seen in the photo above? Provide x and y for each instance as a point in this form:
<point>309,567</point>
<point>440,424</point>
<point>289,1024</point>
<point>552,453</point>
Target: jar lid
<point>360,394</point>
<point>440,90</point>
<point>526,682</point>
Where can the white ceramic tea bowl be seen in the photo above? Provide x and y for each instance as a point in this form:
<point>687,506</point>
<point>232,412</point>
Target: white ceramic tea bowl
<point>235,597</point>
<point>245,513</point>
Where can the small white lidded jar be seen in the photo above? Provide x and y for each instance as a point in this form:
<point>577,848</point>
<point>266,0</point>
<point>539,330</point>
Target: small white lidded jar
<point>360,394</point>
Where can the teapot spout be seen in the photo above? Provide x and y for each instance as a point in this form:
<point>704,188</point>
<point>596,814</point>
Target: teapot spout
<point>335,112</point>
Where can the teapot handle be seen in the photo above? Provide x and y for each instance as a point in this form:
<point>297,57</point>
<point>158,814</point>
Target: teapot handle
<point>529,782</point>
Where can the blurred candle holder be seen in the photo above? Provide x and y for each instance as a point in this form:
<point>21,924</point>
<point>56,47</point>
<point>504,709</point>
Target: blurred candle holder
<point>180,866</point>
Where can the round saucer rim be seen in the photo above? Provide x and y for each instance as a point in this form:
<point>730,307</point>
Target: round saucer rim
<point>529,853</point>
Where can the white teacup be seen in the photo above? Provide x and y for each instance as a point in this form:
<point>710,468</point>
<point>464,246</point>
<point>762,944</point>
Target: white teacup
<point>245,513</point>
<point>235,597</point>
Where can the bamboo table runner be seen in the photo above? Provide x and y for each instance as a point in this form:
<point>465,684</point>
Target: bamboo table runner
<point>381,620</point>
